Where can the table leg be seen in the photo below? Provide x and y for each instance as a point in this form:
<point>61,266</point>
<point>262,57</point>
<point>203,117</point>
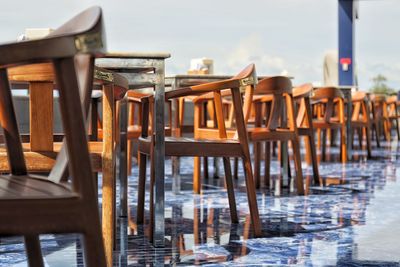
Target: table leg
<point>108,163</point>
<point>122,168</point>
<point>176,177</point>
<point>159,160</point>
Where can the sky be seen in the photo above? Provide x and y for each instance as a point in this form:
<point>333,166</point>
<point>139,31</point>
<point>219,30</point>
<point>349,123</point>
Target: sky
<point>279,36</point>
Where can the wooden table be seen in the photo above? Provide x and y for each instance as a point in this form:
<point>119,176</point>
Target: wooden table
<point>145,70</point>
<point>41,82</point>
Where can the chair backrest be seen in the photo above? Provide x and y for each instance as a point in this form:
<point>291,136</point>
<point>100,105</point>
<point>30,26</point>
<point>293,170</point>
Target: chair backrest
<point>245,81</point>
<point>358,96</point>
<point>302,94</point>
<point>360,106</point>
<point>328,96</point>
<point>281,89</point>
<point>304,90</point>
<point>80,38</point>
<point>379,106</point>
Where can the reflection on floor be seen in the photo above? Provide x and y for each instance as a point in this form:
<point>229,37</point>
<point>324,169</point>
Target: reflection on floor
<point>353,221</point>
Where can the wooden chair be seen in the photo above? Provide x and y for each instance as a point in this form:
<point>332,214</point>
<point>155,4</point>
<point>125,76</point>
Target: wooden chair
<point>222,146</point>
<point>302,95</point>
<point>41,150</point>
<point>325,100</point>
<point>135,120</point>
<point>393,114</point>
<point>360,119</point>
<point>276,128</point>
<point>30,204</point>
<point>380,118</point>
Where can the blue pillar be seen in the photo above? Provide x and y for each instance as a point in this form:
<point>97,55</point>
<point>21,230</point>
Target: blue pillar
<point>346,41</point>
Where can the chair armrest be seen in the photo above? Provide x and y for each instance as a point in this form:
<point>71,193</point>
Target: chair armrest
<point>136,96</point>
<point>210,96</point>
<point>181,92</point>
<point>263,98</point>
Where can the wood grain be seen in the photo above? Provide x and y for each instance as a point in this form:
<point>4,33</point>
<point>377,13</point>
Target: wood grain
<point>41,115</point>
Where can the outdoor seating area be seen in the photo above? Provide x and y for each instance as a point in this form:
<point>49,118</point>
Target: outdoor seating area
<point>107,159</point>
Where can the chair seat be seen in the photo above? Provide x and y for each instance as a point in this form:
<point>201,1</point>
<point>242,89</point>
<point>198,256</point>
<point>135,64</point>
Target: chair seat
<point>31,187</point>
<point>264,134</point>
<point>190,147</point>
<point>333,123</point>
<point>44,161</point>
<point>359,123</point>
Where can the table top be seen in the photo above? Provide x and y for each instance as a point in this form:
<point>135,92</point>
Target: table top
<point>211,76</point>
<point>137,55</point>
<point>342,87</point>
<point>191,79</point>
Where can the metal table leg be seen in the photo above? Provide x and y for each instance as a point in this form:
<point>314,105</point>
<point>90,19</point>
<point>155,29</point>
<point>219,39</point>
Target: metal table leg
<point>176,176</point>
<point>122,167</point>
<point>159,159</point>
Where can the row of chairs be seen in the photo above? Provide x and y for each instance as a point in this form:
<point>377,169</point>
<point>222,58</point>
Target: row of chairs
<point>244,110</point>
<point>259,111</point>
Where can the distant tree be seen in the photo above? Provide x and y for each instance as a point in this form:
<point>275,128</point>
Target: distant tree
<point>380,87</point>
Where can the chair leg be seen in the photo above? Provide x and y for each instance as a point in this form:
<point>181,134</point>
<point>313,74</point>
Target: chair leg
<point>236,168</point>
<point>230,189</point>
<point>352,138</point>
<point>319,139</point>
<point>360,137</point>
<point>196,175</point>
<point>386,130</point>
<point>377,134</point>
<point>257,159</point>
<point>274,147</point>
<point>332,137</point>
<point>33,251</point>
<point>141,188</point>
<point>314,159</point>
<point>297,164</point>
<point>343,148</point>
<point>267,164</point>
<point>368,137</point>
<point>323,145</point>
<point>252,197</point>
<point>129,156</point>
<point>205,167</point>
<point>93,242</point>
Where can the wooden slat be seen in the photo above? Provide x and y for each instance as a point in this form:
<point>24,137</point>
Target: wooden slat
<point>41,116</point>
<point>31,187</point>
<point>42,72</point>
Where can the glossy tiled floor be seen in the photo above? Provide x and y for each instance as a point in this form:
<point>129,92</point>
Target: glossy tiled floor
<point>352,222</point>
